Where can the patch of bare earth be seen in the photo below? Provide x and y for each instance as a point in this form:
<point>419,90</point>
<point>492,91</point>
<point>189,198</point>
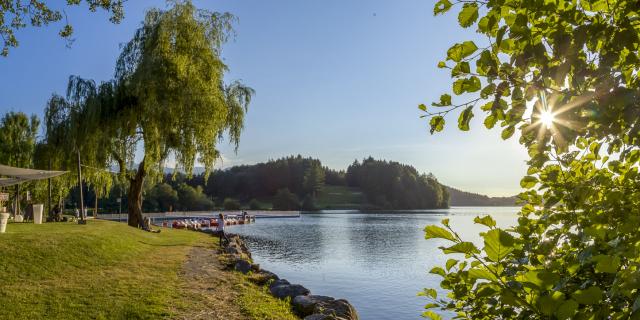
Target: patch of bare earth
<point>208,288</point>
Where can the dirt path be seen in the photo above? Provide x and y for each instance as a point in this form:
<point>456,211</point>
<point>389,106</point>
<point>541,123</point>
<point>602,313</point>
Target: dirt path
<point>209,288</point>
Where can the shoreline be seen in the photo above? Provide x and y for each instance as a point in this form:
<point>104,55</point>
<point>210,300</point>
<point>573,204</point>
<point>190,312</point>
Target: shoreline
<point>237,256</point>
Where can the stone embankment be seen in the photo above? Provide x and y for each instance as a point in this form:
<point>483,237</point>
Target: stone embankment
<point>310,307</point>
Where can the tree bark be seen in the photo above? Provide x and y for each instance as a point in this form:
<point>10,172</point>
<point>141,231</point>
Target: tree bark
<point>95,209</point>
<point>135,197</point>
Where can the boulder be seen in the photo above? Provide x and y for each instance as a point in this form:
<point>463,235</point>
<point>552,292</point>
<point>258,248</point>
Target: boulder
<point>242,266</point>
<point>339,309</point>
<point>318,316</point>
<point>278,282</point>
<point>289,291</point>
<point>231,250</point>
<point>270,275</point>
<point>306,305</point>
<point>262,277</point>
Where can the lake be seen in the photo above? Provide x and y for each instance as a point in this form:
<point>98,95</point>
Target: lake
<point>377,261</point>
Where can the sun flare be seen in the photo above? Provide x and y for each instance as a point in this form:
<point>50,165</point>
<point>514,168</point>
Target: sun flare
<point>547,118</point>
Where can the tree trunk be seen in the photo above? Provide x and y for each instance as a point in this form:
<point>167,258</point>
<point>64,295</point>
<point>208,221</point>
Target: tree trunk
<point>135,197</point>
<point>95,209</point>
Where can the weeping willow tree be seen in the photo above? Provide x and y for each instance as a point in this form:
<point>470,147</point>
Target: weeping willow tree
<point>73,135</point>
<point>171,98</point>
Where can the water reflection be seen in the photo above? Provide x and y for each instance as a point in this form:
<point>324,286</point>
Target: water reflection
<point>378,261</point>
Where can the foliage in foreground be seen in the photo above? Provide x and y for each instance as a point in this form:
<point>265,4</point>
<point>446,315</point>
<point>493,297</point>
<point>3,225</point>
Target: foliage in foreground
<point>17,14</point>
<point>565,73</point>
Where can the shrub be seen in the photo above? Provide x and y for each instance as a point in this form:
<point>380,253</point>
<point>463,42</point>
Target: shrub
<point>285,200</point>
<point>254,205</point>
<point>231,204</point>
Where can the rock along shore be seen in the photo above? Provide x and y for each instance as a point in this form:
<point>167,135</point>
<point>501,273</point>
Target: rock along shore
<point>236,256</point>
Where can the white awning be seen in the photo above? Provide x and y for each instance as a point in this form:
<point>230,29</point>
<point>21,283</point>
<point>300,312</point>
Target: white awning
<point>12,175</point>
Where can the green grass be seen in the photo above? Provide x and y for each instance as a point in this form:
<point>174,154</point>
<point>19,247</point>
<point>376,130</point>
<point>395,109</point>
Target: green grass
<point>102,270</point>
<point>340,197</point>
<point>267,308</point>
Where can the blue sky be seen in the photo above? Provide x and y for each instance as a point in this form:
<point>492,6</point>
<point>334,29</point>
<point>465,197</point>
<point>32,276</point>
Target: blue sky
<point>337,80</point>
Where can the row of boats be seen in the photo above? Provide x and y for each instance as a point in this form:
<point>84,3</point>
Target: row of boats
<point>204,223</point>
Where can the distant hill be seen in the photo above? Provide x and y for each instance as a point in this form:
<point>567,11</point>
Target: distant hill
<point>366,184</point>
<point>468,199</point>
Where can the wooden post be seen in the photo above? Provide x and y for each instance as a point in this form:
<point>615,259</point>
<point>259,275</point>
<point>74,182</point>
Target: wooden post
<point>49,195</point>
<point>82,213</point>
<point>17,201</point>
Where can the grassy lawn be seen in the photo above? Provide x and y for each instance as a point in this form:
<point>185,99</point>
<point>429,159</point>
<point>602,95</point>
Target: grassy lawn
<point>103,270</point>
<point>340,197</point>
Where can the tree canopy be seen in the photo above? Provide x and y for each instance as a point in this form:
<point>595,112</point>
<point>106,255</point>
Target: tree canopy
<point>565,74</point>
<point>18,14</point>
<point>171,94</point>
<point>391,185</point>
<point>18,133</point>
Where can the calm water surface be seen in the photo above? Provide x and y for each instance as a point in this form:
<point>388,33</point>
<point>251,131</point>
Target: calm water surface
<point>377,261</point>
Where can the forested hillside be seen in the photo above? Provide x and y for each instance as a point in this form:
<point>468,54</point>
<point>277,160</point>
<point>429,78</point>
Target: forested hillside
<point>463,198</point>
<point>392,185</point>
<point>295,182</point>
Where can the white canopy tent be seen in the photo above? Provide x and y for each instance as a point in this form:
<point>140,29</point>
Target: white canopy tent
<point>11,175</point>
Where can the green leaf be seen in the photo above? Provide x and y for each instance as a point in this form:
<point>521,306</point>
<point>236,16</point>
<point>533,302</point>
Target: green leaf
<point>451,263</point>
<point>566,310</point>
<point>507,133</point>
<point>431,315</point>
<point>548,304</point>
<point>539,279</point>
<point>435,232</point>
<point>488,90</point>
<point>431,305</point>
<point>422,107</point>
<point>528,182</point>
<point>432,293</point>
<point>461,247</point>
<point>490,121</point>
<point>437,124</point>
<point>498,244</point>
<point>486,220</point>
<point>481,273</point>
<point>465,118</point>
<point>439,271</point>
<point>468,15</point>
<point>441,6</point>
<point>471,84</point>
<point>606,263</point>
<point>592,295</point>
<point>636,304</point>
<point>442,64</point>
<point>461,68</point>
<point>445,100</point>
<point>460,51</point>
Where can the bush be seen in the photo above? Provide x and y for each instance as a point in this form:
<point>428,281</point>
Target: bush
<point>254,205</point>
<point>231,204</point>
<point>285,200</point>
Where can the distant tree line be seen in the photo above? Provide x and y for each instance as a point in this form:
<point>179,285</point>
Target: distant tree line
<point>463,198</point>
<point>392,185</point>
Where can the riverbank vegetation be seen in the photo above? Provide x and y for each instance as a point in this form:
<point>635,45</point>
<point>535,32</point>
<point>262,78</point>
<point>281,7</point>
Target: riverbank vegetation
<point>564,76</point>
<point>66,270</point>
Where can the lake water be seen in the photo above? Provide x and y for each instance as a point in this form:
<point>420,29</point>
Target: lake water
<point>377,261</point>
